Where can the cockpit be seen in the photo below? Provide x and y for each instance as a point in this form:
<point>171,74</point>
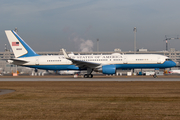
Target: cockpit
<point>168,59</point>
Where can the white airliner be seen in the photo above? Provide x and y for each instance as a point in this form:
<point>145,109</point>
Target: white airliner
<point>174,72</point>
<point>107,64</point>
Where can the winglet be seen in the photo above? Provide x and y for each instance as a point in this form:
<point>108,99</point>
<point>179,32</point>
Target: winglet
<point>65,54</point>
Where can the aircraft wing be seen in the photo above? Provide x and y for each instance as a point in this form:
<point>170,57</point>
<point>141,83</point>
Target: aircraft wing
<point>81,64</point>
<point>84,64</point>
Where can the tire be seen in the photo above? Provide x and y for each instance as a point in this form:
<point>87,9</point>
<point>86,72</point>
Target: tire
<point>88,76</point>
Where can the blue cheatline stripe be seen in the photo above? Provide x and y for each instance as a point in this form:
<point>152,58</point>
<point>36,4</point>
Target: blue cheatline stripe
<point>27,47</point>
<point>55,67</point>
<point>166,64</point>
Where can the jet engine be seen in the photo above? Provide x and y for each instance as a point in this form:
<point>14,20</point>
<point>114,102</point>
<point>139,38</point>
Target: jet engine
<point>107,69</point>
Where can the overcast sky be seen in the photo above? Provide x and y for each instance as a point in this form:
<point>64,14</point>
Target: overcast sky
<point>49,25</point>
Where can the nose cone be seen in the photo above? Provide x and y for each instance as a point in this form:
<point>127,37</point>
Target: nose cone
<point>169,64</point>
<point>172,64</point>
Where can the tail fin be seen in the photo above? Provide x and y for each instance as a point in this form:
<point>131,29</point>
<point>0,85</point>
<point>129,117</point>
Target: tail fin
<point>19,47</point>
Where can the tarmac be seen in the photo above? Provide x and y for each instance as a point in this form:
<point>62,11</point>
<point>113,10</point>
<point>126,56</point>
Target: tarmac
<point>95,78</point>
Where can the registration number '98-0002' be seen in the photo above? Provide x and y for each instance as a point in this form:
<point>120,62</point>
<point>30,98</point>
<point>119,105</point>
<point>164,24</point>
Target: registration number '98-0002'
<point>18,48</point>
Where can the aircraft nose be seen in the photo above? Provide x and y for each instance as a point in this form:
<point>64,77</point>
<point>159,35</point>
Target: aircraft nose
<point>173,63</point>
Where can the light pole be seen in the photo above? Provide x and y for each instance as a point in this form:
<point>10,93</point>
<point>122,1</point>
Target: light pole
<point>135,30</point>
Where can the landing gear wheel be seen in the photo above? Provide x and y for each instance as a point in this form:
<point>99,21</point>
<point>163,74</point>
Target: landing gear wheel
<point>85,76</point>
<point>155,76</point>
<point>88,76</point>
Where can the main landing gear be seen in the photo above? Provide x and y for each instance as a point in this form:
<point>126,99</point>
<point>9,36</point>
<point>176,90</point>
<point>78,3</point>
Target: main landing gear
<point>88,76</point>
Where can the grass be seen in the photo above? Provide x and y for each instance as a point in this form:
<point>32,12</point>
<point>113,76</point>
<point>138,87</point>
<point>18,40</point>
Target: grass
<point>90,100</point>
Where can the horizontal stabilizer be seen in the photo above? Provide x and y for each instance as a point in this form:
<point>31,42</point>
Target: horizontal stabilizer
<point>17,62</point>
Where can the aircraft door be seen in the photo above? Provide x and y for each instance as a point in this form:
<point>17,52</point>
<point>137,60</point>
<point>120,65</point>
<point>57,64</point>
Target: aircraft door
<point>36,61</point>
<point>124,60</point>
<point>159,60</point>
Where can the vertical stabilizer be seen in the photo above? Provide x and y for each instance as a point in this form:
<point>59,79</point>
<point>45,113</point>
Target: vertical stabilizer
<point>19,47</point>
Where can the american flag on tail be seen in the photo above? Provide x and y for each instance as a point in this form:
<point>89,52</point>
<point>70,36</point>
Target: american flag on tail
<point>15,43</point>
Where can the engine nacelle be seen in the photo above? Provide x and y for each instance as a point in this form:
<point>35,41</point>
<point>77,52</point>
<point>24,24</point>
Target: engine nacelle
<point>109,69</point>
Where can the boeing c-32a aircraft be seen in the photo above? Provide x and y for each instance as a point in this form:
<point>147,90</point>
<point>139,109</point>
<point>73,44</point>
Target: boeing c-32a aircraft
<point>107,64</point>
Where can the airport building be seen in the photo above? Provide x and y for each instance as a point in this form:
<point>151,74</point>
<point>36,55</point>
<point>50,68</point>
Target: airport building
<point>9,68</point>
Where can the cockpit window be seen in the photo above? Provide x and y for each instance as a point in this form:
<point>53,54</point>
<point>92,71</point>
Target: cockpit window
<point>168,59</point>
